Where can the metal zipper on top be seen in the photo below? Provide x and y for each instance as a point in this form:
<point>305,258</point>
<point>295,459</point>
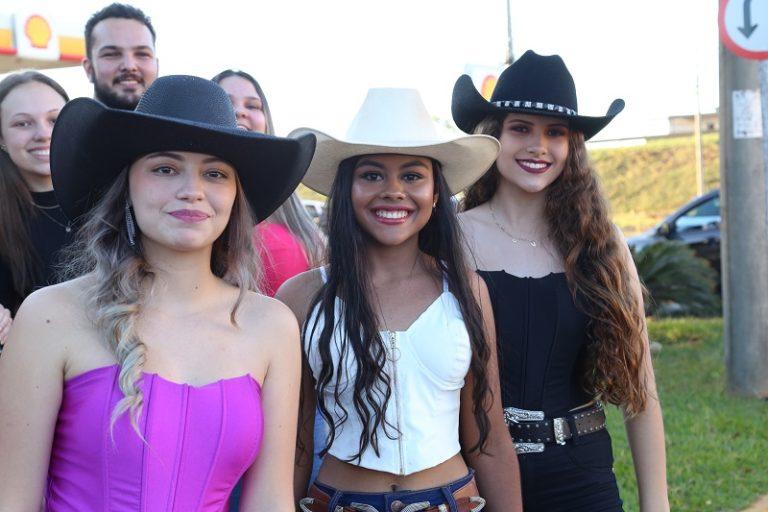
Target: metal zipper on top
<point>395,355</point>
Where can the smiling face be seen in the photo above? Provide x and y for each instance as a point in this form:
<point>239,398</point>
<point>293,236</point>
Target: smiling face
<point>247,103</point>
<point>182,201</point>
<point>27,116</point>
<point>533,150</point>
<point>393,196</point>
<point>122,62</point>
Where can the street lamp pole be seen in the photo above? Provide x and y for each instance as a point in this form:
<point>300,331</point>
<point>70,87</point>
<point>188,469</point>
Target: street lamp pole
<point>510,55</point>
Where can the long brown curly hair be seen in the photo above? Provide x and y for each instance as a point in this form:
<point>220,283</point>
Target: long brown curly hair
<point>596,270</point>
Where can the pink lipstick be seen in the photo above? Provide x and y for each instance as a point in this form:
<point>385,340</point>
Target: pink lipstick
<point>190,216</point>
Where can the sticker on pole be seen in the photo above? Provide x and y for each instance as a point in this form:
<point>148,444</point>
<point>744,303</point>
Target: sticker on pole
<point>744,27</point>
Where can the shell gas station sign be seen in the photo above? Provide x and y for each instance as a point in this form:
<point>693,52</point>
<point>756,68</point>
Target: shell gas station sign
<point>33,40</point>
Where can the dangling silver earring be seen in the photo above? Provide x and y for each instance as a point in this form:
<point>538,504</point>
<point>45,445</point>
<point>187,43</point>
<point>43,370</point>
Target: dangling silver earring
<point>130,226</point>
<point>434,205</point>
<point>4,147</point>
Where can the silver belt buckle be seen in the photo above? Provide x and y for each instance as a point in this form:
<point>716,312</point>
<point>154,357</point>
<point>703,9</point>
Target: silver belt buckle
<point>515,415</point>
<point>558,425</point>
<point>521,448</point>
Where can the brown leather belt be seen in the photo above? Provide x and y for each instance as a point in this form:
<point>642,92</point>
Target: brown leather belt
<point>532,431</point>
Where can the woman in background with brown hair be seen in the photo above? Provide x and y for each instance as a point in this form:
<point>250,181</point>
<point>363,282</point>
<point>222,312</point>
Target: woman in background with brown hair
<point>566,295</point>
<point>288,242</point>
<point>32,226</point>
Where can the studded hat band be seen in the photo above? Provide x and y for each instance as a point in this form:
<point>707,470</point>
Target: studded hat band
<point>535,105</point>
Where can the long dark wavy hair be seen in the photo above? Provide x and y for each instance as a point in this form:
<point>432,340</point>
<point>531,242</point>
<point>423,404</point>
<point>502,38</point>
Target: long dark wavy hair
<point>348,279</point>
<point>16,207</point>
<point>596,270</point>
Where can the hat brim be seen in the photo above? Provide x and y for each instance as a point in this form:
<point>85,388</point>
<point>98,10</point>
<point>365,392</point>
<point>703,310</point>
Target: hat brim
<point>469,107</point>
<point>91,144</point>
<point>462,161</point>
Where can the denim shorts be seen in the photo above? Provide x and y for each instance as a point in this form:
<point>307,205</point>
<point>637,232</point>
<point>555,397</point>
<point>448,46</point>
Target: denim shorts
<point>325,498</point>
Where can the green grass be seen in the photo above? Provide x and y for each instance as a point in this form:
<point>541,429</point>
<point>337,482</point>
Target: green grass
<point>716,443</point>
<point>646,183</point>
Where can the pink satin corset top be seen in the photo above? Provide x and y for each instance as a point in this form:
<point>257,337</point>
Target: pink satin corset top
<point>198,442</point>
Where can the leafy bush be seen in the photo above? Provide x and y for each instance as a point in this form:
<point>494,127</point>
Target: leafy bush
<point>679,283</point>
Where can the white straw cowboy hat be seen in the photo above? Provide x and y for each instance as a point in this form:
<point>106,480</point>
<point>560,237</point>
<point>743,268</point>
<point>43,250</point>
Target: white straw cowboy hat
<point>395,121</point>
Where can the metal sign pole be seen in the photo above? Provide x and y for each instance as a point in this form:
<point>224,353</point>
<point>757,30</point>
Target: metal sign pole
<point>743,28</point>
<point>764,108</point>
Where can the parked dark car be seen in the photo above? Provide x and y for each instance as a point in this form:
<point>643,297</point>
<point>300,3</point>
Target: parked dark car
<point>697,224</point>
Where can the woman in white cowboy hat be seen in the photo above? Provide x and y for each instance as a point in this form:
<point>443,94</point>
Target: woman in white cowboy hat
<point>397,333</point>
<point>568,302</point>
<point>157,378</point>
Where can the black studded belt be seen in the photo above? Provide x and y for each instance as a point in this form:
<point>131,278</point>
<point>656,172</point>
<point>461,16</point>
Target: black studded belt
<point>532,431</point>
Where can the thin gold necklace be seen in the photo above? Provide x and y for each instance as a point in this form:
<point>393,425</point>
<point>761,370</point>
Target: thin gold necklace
<point>515,239</point>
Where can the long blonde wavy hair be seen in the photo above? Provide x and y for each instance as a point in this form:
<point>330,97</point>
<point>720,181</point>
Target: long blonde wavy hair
<point>596,270</point>
<point>122,279</point>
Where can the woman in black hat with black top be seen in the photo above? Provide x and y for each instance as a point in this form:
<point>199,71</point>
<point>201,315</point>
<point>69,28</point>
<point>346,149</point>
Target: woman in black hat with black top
<point>157,378</point>
<point>566,296</point>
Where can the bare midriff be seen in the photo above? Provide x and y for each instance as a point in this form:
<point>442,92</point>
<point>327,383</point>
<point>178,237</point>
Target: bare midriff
<point>349,477</point>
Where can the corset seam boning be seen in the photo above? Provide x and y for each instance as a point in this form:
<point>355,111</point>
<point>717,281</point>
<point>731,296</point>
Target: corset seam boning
<point>146,411</point>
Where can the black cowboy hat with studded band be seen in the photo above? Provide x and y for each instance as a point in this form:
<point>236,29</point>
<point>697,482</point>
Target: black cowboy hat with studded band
<point>92,143</point>
<point>533,84</point>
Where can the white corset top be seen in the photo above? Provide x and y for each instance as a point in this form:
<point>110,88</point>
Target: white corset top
<point>426,364</point>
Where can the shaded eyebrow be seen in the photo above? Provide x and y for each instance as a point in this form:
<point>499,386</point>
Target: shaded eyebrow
<point>166,154</point>
<point>414,163</point>
<point>372,163</point>
<point>212,159</point>
<point>179,158</point>
<point>514,120</point>
<point>249,98</point>
<point>112,47</point>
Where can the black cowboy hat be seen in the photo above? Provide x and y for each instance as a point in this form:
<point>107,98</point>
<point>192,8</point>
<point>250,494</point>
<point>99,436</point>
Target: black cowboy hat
<point>533,84</point>
<point>92,143</point>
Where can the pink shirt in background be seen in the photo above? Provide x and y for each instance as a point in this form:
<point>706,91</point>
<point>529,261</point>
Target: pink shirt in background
<point>282,255</point>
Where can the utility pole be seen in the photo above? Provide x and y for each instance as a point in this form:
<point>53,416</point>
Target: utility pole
<point>510,55</point>
<point>697,142</point>
<point>745,214</point>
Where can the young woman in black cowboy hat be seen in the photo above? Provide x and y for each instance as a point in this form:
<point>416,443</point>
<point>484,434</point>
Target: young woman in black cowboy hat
<point>566,296</point>
<point>398,334</point>
<point>157,378</point>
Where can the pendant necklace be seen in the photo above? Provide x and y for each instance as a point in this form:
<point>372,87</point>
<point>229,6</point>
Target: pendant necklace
<point>67,227</point>
<point>515,239</point>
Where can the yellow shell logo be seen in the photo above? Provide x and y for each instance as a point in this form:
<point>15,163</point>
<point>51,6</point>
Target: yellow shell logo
<point>38,31</point>
<point>489,82</point>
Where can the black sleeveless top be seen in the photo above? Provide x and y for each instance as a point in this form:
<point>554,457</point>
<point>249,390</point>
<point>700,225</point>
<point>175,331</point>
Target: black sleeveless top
<point>48,232</point>
<point>542,342</point>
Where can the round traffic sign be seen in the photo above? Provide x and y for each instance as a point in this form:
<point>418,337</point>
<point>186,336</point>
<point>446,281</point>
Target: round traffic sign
<point>744,27</point>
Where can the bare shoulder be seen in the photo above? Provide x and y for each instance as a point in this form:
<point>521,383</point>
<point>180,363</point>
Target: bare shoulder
<point>297,293</point>
<point>260,311</point>
<point>51,320</point>
<point>478,286</point>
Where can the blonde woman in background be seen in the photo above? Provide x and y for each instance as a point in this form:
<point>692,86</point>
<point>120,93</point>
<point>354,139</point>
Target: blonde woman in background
<point>290,242</point>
